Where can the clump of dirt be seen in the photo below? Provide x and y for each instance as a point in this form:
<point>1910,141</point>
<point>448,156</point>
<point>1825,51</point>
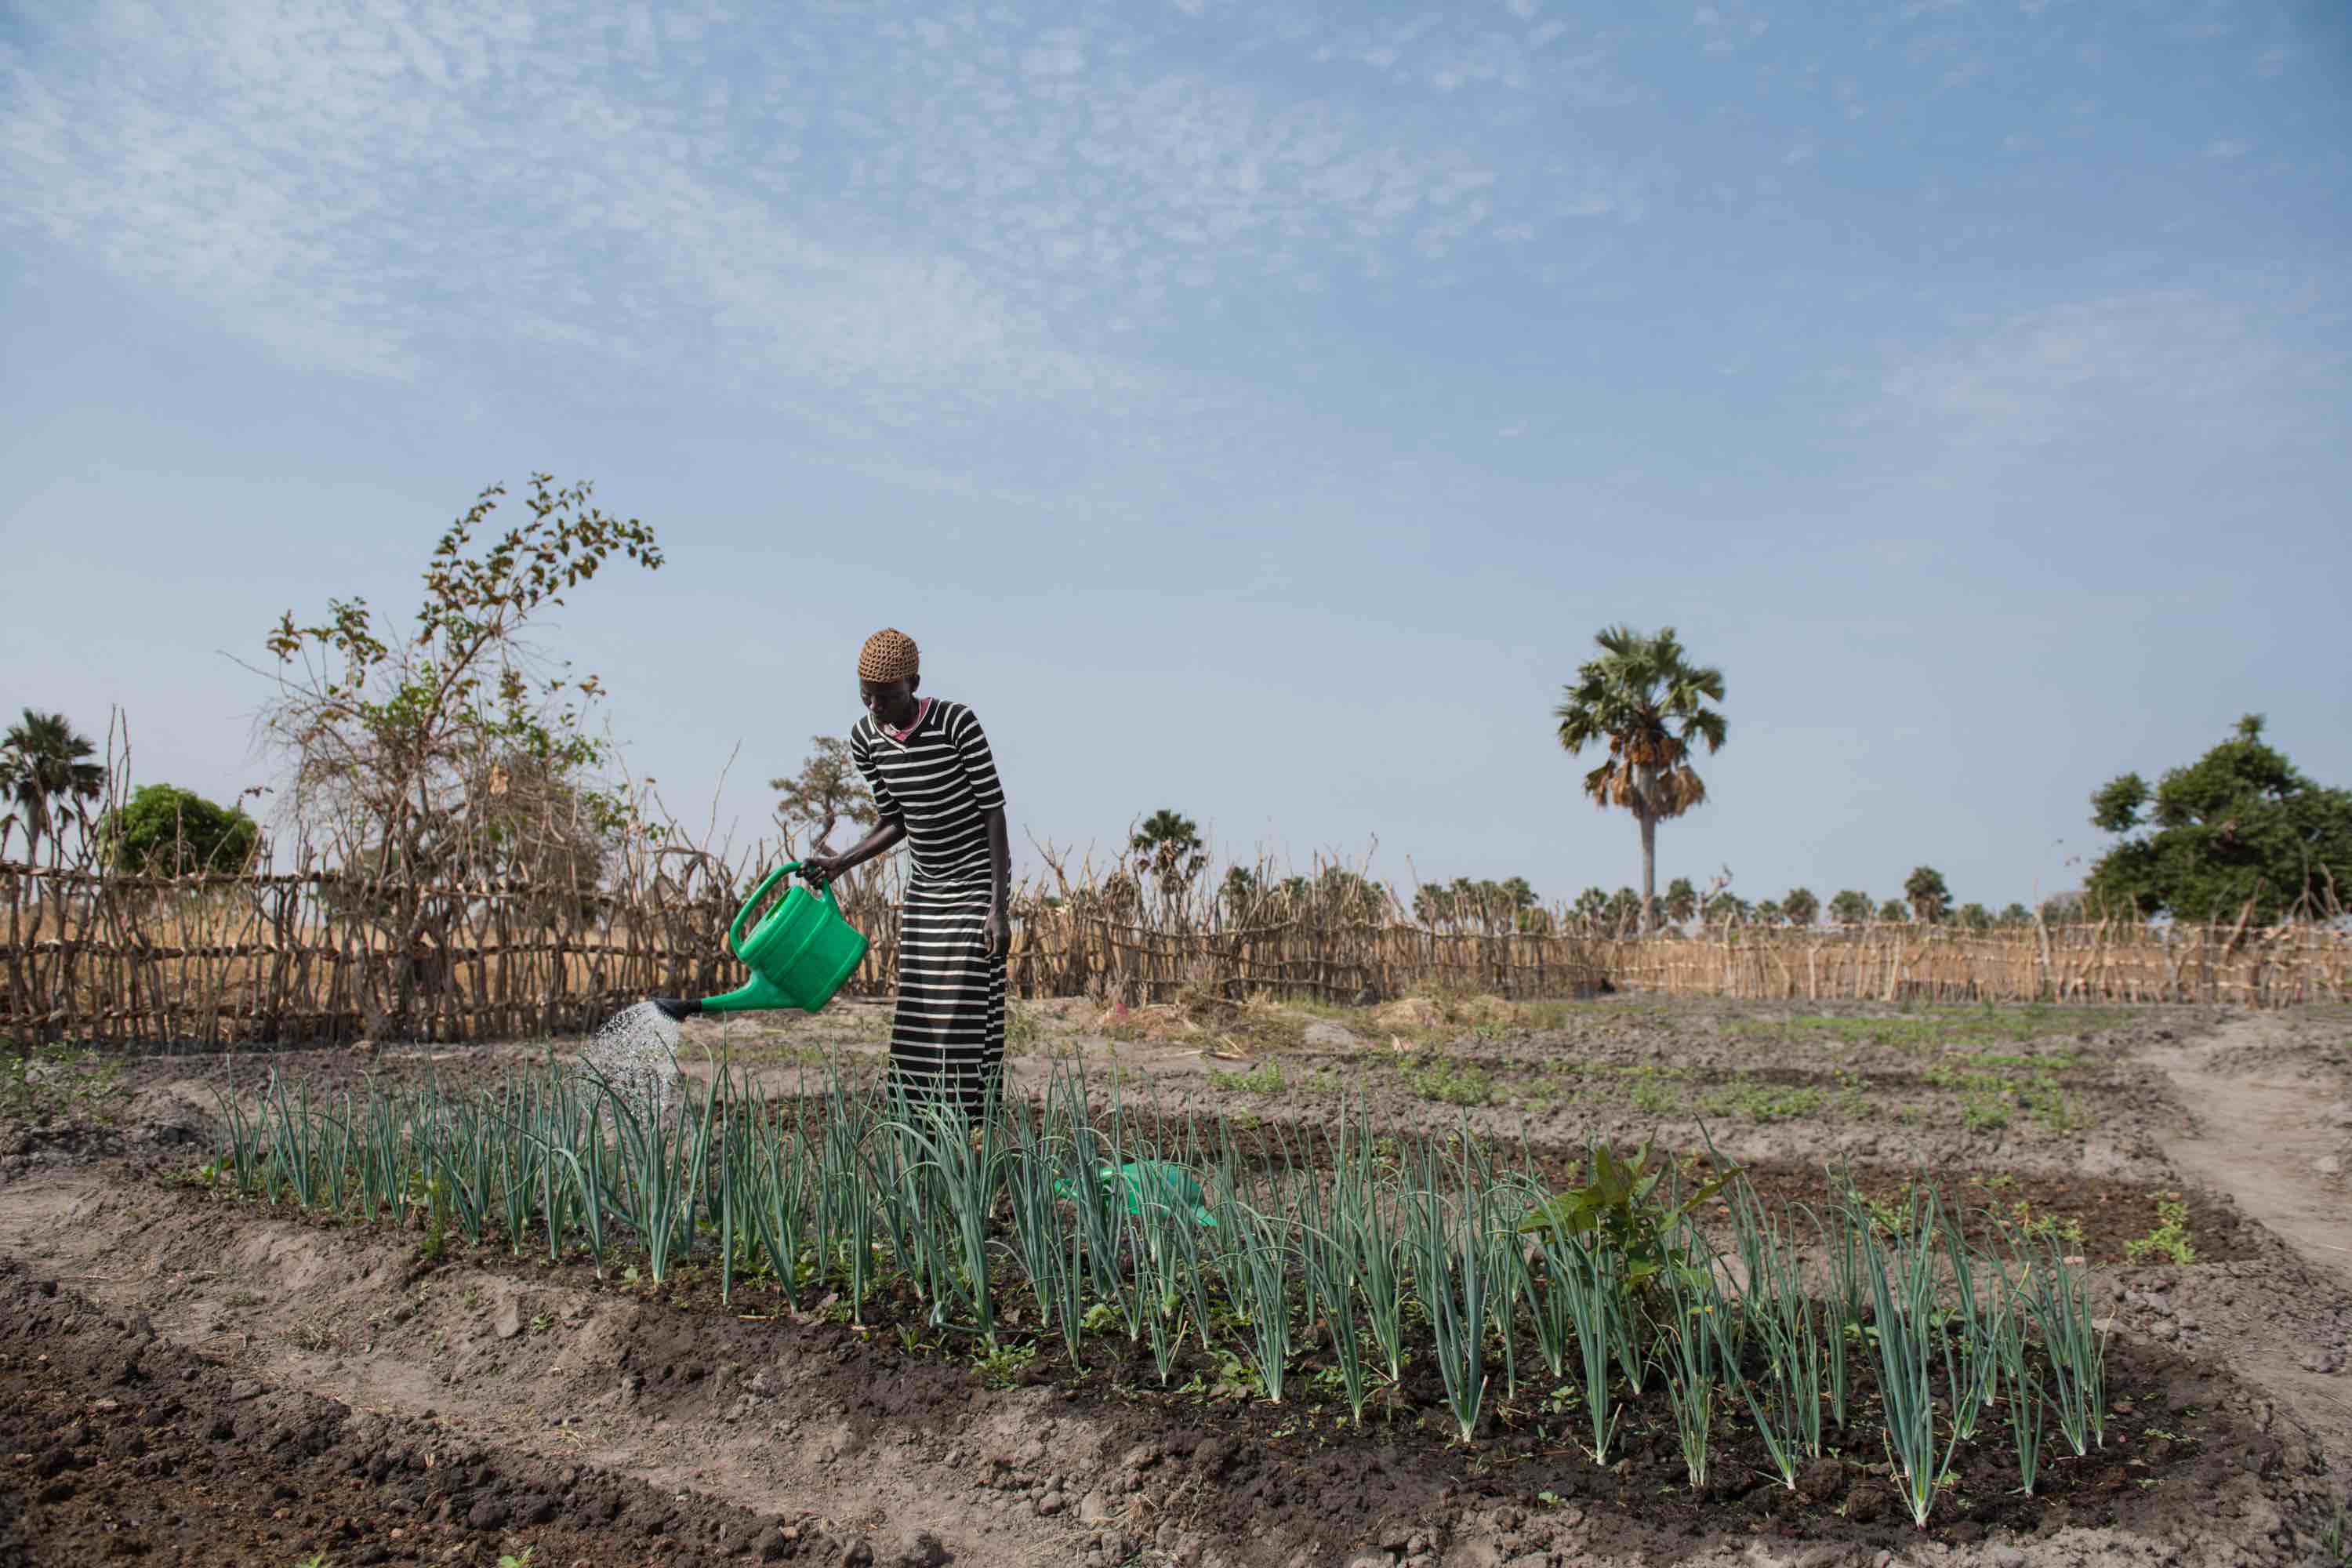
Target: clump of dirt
<point>114,1443</point>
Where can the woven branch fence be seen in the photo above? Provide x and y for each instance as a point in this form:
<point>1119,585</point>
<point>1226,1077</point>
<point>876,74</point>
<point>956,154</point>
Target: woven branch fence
<point>202,961</point>
<point>2091,962</point>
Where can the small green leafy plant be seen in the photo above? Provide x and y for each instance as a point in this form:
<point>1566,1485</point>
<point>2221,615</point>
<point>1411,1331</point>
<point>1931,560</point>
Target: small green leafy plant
<point>54,1080</point>
<point>1450,1082</point>
<point>2170,1237</point>
<point>1265,1079</point>
<point>1622,1210</point>
<point>1002,1366</point>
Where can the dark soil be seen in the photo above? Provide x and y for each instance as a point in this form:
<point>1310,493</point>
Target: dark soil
<point>116,1443</point>
<point>1300,1472</point>
<point>2109,1213</point>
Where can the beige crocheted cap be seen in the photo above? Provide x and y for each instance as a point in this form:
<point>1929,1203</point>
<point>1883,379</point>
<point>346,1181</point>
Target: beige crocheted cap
<point>889,654</point>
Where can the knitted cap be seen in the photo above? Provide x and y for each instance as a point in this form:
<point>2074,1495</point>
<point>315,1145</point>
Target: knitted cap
<point>889,654</point>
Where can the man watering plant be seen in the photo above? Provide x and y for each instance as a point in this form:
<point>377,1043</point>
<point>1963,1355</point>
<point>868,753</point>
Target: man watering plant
<point>936,790</point>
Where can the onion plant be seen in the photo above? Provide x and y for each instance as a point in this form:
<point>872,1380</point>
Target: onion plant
<point>1593,1304</point>
<point>1698,1341</point>
<point>2027,1404</point>
<point>1450,1270</point>
<point>2076,1349</point>
<point>1256,1266</point>
<point>662,1164</point>
<point>1786,1401</point>
<point>1903,1312</point>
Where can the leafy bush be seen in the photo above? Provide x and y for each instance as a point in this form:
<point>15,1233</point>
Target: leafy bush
<point>165,831</point>
<point>2239,826</point>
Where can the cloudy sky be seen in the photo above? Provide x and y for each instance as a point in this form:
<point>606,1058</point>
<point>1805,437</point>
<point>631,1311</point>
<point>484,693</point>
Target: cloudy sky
<point>1252,409</point>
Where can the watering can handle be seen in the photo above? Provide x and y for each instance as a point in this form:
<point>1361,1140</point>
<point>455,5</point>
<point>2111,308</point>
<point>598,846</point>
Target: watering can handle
<point>735,931</point>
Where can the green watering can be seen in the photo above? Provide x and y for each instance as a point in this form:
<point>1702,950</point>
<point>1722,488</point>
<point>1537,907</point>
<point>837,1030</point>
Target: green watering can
<point>1152,1181</point>
<point>799,956</point>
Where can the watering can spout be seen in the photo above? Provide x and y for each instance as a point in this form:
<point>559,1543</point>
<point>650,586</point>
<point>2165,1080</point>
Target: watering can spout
<point>754,997</point>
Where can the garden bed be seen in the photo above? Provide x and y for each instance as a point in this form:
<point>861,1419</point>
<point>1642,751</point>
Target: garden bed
<point>761,1429</point>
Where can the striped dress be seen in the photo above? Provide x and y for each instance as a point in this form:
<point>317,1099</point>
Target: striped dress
<point>947,1035</point>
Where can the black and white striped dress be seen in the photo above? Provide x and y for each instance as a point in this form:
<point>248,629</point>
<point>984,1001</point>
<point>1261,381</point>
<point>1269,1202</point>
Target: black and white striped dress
<point>947,1037</point>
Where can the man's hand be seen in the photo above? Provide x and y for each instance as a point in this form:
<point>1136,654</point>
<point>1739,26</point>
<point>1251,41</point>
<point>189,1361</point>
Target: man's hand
<point>819,870</point>
<point>999,931</point>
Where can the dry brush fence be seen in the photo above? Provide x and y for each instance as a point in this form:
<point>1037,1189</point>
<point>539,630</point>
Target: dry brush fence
<point>206,961</point>
<point>2097,961</point>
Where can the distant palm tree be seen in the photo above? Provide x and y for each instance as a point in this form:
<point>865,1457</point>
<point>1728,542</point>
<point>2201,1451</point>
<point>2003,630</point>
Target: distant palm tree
<point>1800,906</point>
<point>41,765</point>
<point>1648,702</point>
<point>1851,908</point>
<point>1682,901</point>
<point>1168,846</point>
<point>1928,896</point>
<point>1241,891</point>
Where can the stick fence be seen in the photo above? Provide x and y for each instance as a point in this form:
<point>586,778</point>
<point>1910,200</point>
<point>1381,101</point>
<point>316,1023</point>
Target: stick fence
<point>205,961</point>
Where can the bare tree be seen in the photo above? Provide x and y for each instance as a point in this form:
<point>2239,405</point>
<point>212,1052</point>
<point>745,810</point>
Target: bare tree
<point>454,751</point>
<point>826,790</point>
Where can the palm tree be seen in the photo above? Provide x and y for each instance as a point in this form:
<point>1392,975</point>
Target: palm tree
<point>1800,906</point>
<point>1241,891</point>
<point>1682,901</point>
<point>1649,703</point>
<point>41,764</point>
<point>1928,896</point>
<point>1851,908</point>
<point>1168,846</point>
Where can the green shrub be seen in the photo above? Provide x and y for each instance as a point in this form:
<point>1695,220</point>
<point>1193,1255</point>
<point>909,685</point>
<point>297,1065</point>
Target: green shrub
<point>167,831</point>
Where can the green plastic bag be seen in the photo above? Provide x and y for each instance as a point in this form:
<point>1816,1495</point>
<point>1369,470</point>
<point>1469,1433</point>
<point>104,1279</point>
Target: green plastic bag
<point>1152,1180</point>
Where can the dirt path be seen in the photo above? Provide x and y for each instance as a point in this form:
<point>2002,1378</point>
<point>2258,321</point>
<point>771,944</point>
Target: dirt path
<point>2259,1137</point>
<point>2257,1132</point>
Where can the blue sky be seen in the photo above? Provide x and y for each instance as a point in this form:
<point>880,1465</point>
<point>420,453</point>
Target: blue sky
<point>1251,409</point>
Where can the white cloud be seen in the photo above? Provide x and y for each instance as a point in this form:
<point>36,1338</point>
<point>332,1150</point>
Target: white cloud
<point>1728,26</point>
<point>2177,360</point>
<point>953,204</point>
<point>2228,147</point>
